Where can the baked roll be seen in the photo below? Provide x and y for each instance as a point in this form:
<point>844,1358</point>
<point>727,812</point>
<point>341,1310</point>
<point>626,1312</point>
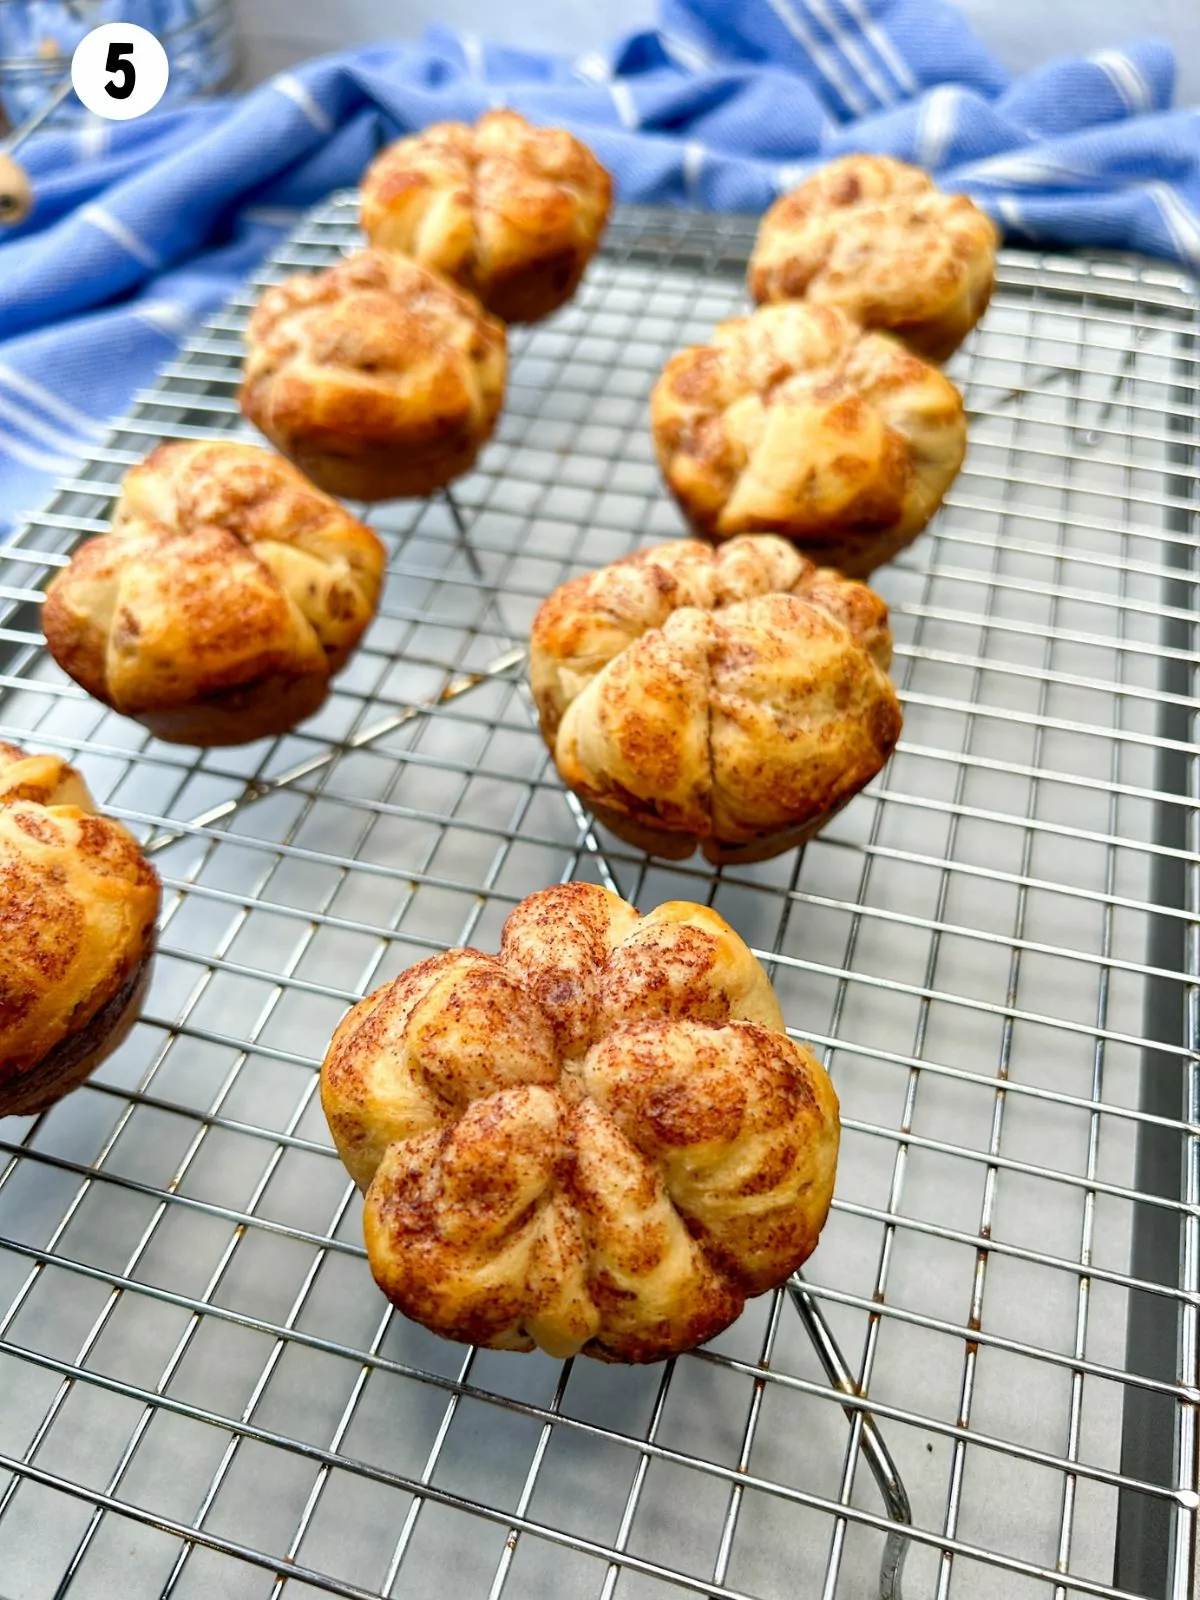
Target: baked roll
<point>78,903</point>
<point>875,237</point>
<point>793,421</point>
<point>225,598</point>
<point>599,1141</point>
<point>733,699</point>
<point>377,377</point>
<point>511,212</point>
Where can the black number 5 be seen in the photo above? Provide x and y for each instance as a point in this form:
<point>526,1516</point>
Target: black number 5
<point>117,64</point>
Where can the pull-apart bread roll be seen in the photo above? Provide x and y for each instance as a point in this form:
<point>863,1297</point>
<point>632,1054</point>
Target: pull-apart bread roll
<point>793,421</point>
<point>599,1141</point>
<point>78,902</point>
<point>509,211</point>
<point>874,237</point>
<point>225,598</point>
<point>377,377</point>
<point>733,699</point>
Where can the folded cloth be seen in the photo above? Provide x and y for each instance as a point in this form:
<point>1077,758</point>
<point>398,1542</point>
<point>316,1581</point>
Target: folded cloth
<point>142,227</point>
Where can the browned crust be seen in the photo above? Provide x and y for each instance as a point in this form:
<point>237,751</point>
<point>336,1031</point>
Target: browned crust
<point>858,554</point>
<point>78,907</point>
<point>78,1055</point>
<point>511,212</point>
<point>391,473</point>
<point>678,847</point>
<point>875,236</point>
<point>600,1141</point>
<point>796,422</point>
<point>529,293</point>
<point>730,699</point>
<point>225,598</point>
<point>259,710</point>
<point>379,378</point>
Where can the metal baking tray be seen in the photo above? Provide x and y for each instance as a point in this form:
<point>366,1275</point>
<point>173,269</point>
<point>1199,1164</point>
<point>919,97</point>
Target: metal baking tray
<point>987,1384</point>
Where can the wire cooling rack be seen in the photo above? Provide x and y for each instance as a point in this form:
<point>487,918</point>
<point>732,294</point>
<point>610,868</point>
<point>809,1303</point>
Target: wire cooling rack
<point>990,1388</point>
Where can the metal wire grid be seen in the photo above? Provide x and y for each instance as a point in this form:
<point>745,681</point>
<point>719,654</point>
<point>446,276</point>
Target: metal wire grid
<point>200,1390</point>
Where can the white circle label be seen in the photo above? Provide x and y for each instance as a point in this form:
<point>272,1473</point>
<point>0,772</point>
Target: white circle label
<point>120,71</point>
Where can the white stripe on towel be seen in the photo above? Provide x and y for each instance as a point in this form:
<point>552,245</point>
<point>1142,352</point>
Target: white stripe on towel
<point>287,83</point>
<point>168,316</point>
<point>887,51</point>
<point>594,67</point>
<point>1009,208</point>
<point>116,230</point>
<point>1127,78</point>
<point>18,383</point>
<point>13,447</point>
<point>694,156</point>
<point>846,40</point>
<point>821,59</point>
<point>938,120</point>
<point>472,49</point>
<point>35,430</point>
<point>792,173</point>
<point>1182,222</point>
<point>93,138</point>
<point>622,98</point>
<point>1032,171</point>
<point>685,52</point>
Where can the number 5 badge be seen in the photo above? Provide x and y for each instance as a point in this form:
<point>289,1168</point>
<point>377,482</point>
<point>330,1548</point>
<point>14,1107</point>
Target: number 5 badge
<point>119,71</point>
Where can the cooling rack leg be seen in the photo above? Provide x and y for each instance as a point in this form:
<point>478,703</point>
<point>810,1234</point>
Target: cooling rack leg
<point>462,537</point>
<point>879,1457</point>
<point>829,1352</point>
<point>256,788</point>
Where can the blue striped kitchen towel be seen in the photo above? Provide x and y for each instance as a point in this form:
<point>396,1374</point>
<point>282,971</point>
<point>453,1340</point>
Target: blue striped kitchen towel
<point>142,227</point>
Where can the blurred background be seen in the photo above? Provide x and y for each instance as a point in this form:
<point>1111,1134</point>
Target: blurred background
<point>219,44</point>
<point>278,33</point>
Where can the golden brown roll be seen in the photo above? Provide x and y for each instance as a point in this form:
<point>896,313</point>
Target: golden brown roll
<point>600,1141</point>
<point>733,699</point>
<point>78,902</point>
<point>225,598</point>
<point>509,211</point>
<point>793,421</point>
<point>377,377</point>
<point>875,237</point>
